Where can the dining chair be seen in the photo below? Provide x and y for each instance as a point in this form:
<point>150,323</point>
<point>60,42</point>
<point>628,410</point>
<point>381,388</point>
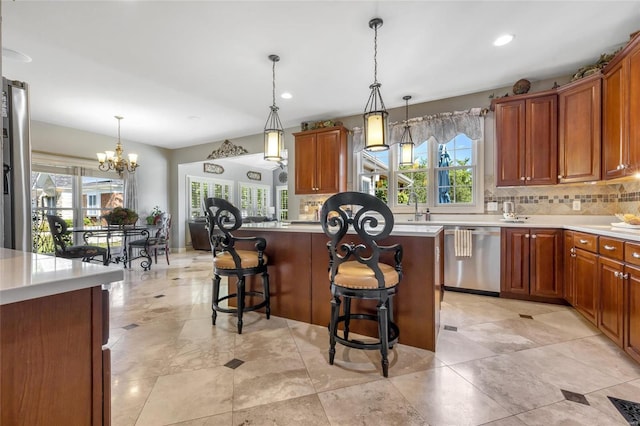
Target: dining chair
<point>59,232</point>
<point>159,241</point>
<point>357,272</point>
<point>235,256</point>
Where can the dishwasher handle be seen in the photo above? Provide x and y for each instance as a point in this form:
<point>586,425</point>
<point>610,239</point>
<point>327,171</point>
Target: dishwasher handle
<point>474,231</point>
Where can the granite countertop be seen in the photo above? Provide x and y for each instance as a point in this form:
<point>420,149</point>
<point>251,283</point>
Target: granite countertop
<point>29,275</point>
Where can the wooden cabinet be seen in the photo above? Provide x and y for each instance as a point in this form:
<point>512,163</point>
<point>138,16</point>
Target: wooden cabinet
<point>610,298</point>
<point>620,110</point>
<point>321,161</point>
<point>531,263</point>
<point>569,288</point>
<point>631,339</point>
<point>53,370</point>
<point>585,275</point>
<point>579,130</point>
<point>527,139</point>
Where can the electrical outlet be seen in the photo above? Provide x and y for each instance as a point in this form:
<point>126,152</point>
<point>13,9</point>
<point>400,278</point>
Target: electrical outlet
<point>492,206</point>
<point>576,205</point>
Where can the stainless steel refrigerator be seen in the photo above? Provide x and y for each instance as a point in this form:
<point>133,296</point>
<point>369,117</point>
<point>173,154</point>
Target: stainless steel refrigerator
<point>16,165</point>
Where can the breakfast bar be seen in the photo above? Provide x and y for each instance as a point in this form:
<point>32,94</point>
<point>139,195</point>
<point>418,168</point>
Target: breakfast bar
<point>298,265</point>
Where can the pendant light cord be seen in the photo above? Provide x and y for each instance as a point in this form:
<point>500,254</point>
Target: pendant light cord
<point>273,69</point>
<point>375,55</point>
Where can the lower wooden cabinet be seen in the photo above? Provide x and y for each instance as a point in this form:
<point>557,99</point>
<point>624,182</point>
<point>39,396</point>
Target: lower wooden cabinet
<point>569,288</point>
<point>611,298</point>
<point>631,339</point>
<point>586,284</point>
<point>531,264</point>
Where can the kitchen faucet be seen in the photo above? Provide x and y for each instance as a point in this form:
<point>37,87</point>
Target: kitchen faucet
<point>414,196</point>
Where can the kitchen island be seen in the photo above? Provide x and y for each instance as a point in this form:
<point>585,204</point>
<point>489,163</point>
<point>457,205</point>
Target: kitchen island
<point>298,270</point>
<point>53,322</point>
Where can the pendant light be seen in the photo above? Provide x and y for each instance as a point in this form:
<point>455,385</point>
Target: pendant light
<point>273,133</point>
<point>375,114</point>
<point>114,160</point>
<point>406,141</point>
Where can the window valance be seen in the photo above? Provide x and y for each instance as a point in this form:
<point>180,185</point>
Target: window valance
<point>442,127</point>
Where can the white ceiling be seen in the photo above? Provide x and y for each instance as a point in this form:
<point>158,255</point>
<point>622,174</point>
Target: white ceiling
<point>186,73</point>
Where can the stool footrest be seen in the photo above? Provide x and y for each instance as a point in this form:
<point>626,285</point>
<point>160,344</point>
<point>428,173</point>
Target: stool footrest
<point>259,305</point>
<point>394,333</point>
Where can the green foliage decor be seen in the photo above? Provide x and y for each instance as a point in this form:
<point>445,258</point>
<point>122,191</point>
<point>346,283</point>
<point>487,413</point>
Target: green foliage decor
<point>121,216</point>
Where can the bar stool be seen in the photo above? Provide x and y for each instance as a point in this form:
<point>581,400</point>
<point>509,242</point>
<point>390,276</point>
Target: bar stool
<point>355,270</point>
<point>229,260</point>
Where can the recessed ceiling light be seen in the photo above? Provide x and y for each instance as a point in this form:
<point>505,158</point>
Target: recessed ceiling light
<point>15,55</point>
<point>286,95</point>
<point>503,39</point>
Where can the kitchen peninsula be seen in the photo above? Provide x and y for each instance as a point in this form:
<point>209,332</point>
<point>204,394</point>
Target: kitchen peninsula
<point>298,265</point>
<point>54,319</point>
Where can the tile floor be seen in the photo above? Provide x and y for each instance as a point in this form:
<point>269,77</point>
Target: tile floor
<point>494,365</point>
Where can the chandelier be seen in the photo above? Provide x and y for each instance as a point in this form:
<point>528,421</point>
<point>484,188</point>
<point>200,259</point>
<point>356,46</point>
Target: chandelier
<point>114,160</point>
<point>406,141</point>
<point>273,132</point>
<point>375,114</point>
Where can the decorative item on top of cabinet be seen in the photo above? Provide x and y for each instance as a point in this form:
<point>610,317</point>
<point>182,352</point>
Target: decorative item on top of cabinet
<point>527,139</point>
<point>321,161</point>
<point>620,110</point>
<point>531,266</point>
<point>579,130</point>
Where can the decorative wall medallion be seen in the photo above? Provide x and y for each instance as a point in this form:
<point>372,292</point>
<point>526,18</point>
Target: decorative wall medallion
<point>227,149</point>
<point>254,175</point>
<point>282,177</point>
<point>213,168</point>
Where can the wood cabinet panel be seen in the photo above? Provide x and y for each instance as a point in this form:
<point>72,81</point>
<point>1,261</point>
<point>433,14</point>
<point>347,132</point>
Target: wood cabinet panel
<point>527,139</point>
<point>514,244</point>
<point>632,253</point>
<point>321,161</point>
<point>579,129</point>
<point>546,263</point>
<point>634,109</point>
<point>611,298</point>
<point>569,268</point>
<point>586,284</point>
<point>51,369</point>
<point>632,312</point>
<point>588,242</point>
<point>612,248</point>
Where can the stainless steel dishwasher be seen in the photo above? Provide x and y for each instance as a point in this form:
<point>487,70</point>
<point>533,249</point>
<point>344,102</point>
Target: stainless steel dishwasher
<point>479,273</point>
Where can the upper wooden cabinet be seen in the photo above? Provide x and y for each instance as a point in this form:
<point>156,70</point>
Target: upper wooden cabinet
<point>321,161</point>
<point>620,112</point>
<point>579,130</point>
<point>527,139</point>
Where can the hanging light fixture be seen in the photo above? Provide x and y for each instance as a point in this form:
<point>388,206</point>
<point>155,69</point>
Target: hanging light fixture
<point>406,141</point>
<point>375,114</point>
<point>114,160</point>
<point>273,133</point>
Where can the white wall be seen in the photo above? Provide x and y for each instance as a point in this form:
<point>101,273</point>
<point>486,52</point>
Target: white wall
<point>152,175</point>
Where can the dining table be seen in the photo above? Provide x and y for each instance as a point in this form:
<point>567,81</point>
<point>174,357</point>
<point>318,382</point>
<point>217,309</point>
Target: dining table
<point>117,238</point>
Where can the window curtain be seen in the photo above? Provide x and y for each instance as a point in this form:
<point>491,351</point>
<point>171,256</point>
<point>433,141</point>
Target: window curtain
<point>130,191</point>
<point>442,127</point>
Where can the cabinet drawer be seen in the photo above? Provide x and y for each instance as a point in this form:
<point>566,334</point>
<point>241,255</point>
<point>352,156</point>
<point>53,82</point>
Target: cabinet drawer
<point>611,248</point>
<point>584,241</point>
<point>632,253</point>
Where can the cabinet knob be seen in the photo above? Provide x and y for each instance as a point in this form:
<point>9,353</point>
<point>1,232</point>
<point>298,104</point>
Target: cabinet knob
<point>608,247</point>
<point>528,177</point>
<point>624,276</point>
<point>534,236</point>
<point>617,274</point>
<point>526,235</point>
<point>560,176</point>
<point>522,177</point>
<point>635,255</point>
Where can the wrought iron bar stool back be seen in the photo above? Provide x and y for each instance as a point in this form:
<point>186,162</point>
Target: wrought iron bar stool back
<point>356,272</point>
<point>229,260</point>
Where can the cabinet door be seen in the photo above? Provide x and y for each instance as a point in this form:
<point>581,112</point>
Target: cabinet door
<point>569,265</point>
<point>632,312</point>
<point>305,167</point>
<point>634,111</point>
<point>586,284</point>
<point>541,145</point>
<point>611,298</point>
<point>579,132</point>
<point>515,260</point>
<point>328,157</point>
<point>614,132</point>
<point>546,263</point>
<point>510,143</point>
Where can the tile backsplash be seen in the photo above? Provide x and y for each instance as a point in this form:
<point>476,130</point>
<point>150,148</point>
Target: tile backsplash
<point>598,199</point>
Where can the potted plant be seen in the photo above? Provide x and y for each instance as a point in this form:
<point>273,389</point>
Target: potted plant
<point>121,216</point>
<point>154,216</point>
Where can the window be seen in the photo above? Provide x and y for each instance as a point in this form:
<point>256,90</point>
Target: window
<point>282,202</point>
<point>445,177</point>
<point>255,199</point>
<point>201,188</point>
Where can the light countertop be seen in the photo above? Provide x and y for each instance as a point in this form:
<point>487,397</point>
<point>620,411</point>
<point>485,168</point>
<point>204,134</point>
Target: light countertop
<point>27,275</point>
<point>424,229</point>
